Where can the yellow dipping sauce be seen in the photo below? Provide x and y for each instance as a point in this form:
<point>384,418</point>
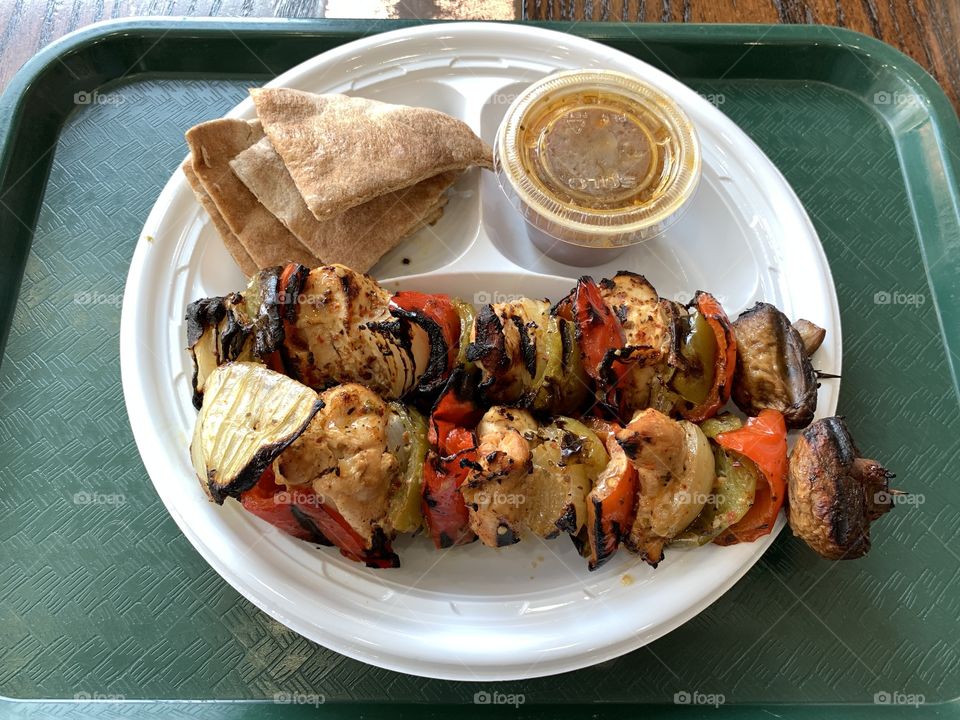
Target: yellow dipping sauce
<point>596,159</point>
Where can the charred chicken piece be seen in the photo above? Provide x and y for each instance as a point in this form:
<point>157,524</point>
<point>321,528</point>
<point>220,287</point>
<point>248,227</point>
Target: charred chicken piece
<point>649,332</point>
<point>343,331</point>
<point>495,490</point>
<point>675,468</point>
<point>773,366</point>
<point>359,465</point>
<point>530,478</point>
<point>835,494</point>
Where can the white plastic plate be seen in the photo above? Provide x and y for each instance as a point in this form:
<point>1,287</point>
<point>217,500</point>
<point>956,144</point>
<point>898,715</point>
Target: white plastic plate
<point>471,613</point>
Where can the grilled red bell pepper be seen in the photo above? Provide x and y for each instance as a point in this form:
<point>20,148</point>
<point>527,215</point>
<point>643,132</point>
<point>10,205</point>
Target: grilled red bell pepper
<point>612,504</point>
<point>299,512</point>
<point>289,282</point>
<point>599,335</point>
<point>377,554</point>
<point>764,441</point>
<point>453,450</point>
<point>437,316</point>
<point>717,346</point>
<point>271,502</point>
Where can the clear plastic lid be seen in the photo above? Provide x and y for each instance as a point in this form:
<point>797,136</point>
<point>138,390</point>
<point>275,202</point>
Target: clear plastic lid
<point>597,158</point>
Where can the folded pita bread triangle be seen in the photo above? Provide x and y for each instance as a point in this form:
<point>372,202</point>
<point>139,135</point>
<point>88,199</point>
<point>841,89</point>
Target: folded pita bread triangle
<point>230,240</point>
<point>212,145</point>
<point>357,237</point>
<point>343,151</point>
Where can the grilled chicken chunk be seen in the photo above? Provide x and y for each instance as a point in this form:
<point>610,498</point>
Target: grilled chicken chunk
<point>344,458</point>
<point>648,329</point>
<point>675,468</point>
<point>344,332</point>
<point>495,490</point>
<point>530,478</point>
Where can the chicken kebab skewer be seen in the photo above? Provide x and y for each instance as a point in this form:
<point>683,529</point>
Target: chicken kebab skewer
<point>346,468</point>
<point>609,348</point>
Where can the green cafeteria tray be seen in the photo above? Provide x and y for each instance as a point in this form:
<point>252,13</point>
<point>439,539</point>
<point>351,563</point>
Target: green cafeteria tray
<point>105,608</point>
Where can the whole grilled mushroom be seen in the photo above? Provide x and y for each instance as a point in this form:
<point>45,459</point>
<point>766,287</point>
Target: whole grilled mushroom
<point>834,493</point>
<point>773,366</point>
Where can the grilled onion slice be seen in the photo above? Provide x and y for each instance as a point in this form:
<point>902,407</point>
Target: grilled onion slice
<point>250,414</point>
<point>217,333</point>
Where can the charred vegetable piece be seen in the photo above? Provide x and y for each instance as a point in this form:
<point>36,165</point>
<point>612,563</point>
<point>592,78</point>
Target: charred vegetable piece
<point>547,387</point>
<point>453,451</point>
<point>732,496</point>
<point>835,494</point>
<point>612,503</point>
<point>600,338</point>
<point>709,357</point>
<point>445,514</point>
<point>520,348</point>
<point>530,478</point>
<point>217,333</point>
<point>407,440</point>
<point>567,458</point>
<point>811,334</point>
<point>650,334</point>
<point>250,414</point>
<point>773,367</point>
<point>265,304</point>
<point>675,469</point>
<point>467,315</point>
<point>724,422</point>
<point>573,386</point>
<point>763,440</point>
<point>271,501</point>
<point>435,328</point>
<point>374,552</point>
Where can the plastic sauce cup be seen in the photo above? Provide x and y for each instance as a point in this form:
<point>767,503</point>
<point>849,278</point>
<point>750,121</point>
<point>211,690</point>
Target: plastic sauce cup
<point>596,161</point>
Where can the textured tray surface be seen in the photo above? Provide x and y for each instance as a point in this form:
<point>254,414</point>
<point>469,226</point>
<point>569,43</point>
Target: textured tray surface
<point>101,594</point>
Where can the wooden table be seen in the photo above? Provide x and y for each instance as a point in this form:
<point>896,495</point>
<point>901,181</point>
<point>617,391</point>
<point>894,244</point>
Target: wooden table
<point>927,30</point>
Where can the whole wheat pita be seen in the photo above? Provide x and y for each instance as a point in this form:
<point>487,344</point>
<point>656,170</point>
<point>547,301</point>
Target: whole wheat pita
<point>230,240</point>
<point>357,237</point>
<point>213,144</point>
<point>343,151</point>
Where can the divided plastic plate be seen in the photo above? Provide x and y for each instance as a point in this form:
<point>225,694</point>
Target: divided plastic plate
<point>471,613</point>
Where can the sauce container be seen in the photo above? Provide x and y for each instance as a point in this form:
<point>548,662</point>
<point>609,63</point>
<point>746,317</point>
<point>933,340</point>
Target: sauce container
<point>596,161</point>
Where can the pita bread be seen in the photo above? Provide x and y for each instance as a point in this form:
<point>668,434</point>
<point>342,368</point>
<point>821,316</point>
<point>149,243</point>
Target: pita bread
<point>343,151</point>
<point>230,240</point>
<point>213,144</point>
<point>357,237</point>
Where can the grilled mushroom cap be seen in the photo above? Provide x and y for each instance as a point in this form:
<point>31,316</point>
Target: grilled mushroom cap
<point>773,367</point>
<point>834,493</point>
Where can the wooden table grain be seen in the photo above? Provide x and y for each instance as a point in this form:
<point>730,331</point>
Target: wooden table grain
<point>927,30</point>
